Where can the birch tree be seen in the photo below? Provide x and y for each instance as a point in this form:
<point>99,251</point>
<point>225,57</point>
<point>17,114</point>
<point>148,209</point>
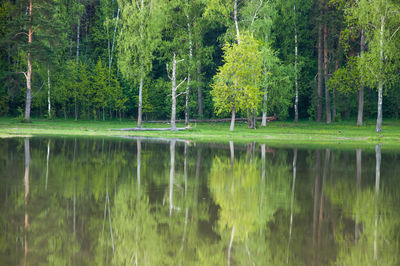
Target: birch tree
<point>138,39</point>
<point>236,85</point>
<point>381,20</point>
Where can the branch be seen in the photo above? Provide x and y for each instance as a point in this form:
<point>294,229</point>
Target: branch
<point>179,61</point>
<point>394,33</point>
<point>38,90</point>
<point>179,94</point>
<point>35,29</point>
<point>168,73</point>
<point>19,34</point>
<point>176,88</point>
<point>22,72</point>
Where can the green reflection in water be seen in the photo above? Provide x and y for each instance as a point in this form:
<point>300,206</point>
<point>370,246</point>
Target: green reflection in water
<point>121,202</point>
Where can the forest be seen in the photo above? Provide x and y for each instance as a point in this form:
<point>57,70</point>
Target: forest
<point>192,59</point>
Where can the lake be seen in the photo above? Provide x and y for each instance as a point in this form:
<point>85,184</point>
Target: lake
<point>129,201</point>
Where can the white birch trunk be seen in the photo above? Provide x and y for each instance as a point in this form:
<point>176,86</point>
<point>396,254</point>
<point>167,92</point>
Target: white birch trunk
<point>361,92</point>
<point>173,107</point>
<point>78,27</point>
<point>233,118</point>
<point>190,61</point>
<point>236,21</point>
<point>380,84</point>
<point>264,114</point>
<point>296,100</point>
<point>48,93</point>
<point>28,74</point>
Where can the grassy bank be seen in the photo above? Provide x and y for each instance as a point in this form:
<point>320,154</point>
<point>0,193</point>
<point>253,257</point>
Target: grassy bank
<point>279,133</point>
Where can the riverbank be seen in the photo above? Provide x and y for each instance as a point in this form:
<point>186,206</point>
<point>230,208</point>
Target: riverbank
<point>281,133</point>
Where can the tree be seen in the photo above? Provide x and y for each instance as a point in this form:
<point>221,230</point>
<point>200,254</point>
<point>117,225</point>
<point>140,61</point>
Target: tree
<point>276,85</point>
<point>236,85</point>
<point>139,38</point>
<point>380,19</point>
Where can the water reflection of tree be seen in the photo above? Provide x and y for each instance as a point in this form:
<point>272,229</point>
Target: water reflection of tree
<point>248,203</point>
<point>371,208</point>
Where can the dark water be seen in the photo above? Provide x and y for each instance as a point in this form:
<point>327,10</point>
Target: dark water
<point>66,201</point>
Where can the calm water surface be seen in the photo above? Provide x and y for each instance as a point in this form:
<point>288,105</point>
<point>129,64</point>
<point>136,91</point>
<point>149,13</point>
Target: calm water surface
<point>67,201</point>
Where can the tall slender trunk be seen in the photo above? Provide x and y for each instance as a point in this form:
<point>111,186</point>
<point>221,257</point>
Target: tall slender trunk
<point>380,83</point>
<point>361,91</point>
<point>320,67</point>
<point>327,101</point>
<point>190,61</point>
<point>78,27</point>
<point>29,71</point>
<point>264,113</point>
<point>236,21</point>
<point>48,93</point>
<point>139,119</point>
<point>199,92</point>
<point>233,118</point>
<point>173,108</point>
<point>334,88</point>
<point>296,99</point>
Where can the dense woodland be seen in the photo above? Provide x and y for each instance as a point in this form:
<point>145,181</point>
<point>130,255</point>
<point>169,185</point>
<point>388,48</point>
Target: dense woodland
<point>156,59</point>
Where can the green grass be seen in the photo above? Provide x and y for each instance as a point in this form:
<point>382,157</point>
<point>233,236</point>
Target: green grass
<point>345,134</point>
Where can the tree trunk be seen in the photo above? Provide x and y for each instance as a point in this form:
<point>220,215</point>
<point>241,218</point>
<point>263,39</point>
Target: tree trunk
<point>296,99</point>
<point>361,91</point>
<point>78,27</point>
<point>380,84</point>
<point>199,92</point>
<point>173,111</point>
<point>29,71</point>
<point>264,114</point>
<point>139,119</point>
<point>320,67</point>
<point>233,118</point>
<point>188,77</point>
<point>327,102</point>
<point>334,88</point>
<point>236,21</point>
<point>48,93</point>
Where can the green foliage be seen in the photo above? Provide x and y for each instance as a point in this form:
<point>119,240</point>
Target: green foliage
<point>236,84</point>
<point>276,82</point>
<point>346,79</point>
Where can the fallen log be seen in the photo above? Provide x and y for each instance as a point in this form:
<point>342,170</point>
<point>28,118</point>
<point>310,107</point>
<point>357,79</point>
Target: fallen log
<point>269,119</point>
<point>151,129</point>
